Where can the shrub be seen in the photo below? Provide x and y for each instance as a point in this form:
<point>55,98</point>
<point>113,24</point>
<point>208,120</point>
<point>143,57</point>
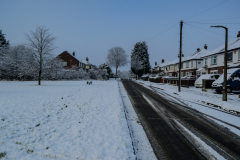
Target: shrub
<point>156,80</point>
<point>3,154</point>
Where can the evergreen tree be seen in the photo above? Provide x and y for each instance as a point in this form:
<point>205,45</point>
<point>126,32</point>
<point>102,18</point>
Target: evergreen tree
<point>3,41</point>
<point>140,59</point>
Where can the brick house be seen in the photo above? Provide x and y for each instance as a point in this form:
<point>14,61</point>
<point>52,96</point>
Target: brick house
<point>70,61</point>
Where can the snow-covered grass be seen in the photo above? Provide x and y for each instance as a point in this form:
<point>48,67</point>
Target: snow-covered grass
<point>63,120</point>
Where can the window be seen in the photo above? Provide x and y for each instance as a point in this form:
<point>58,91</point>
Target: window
<point>213,72</point>
<point>198,74</point>
<point>187,65</point>
<point>181,65</point>
<point>205,61</point>
<point>191,63</point>
<point>203,73</point>
<point>64,63</point>
<point>214,60</point>
<point>199,62</point>
<point>230,56</point>
<point>187,73</point>
<point>169,67</point>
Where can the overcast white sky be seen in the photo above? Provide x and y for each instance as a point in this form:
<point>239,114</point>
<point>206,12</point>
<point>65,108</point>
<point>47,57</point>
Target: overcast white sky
<point>91,27</point>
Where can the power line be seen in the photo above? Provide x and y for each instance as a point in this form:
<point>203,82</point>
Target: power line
<point>214,19</point>
<point>207,35</point>
<point>188,38</point>
<point>162,32</point>
<point>208,9</point>
<point>207,30</point>
<point>174,38</point>
<point>213,23</point>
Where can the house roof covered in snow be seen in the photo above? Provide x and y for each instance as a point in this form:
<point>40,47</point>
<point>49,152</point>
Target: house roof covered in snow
<point>162,64</point>
<point>84,61</point>
<point>175,61</point>
<point>196,55</point>
<point>234,44</point>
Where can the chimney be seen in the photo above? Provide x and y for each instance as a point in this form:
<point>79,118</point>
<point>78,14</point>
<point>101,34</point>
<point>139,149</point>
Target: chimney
<point>162,60</point>
<point>238,34</point>
<point>205,46</point>
<point>155,63</point>
<point>198,49</point>
<point>87,59</point>
<point>74,54</point>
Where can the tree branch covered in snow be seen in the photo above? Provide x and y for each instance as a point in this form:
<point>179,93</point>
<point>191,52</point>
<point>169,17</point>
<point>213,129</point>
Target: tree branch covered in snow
<point>117,57</point>
<point>140,59</point>
<point>41,41</point>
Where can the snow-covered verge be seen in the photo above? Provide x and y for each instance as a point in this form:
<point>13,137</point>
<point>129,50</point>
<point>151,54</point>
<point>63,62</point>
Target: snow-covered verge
<point>63,120</point>
<point>193,93</point>
<point>142,147</point>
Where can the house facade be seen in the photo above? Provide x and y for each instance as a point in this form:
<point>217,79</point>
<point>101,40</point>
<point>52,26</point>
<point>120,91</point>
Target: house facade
<point>192,63</point>
<point>69,61</point>
<point>160,68</point>
<point>214,60</point>
<point>87,64</point>
<point>171,68</point>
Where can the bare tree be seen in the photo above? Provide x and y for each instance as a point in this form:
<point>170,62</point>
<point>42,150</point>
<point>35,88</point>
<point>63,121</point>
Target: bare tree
<point>41,41</point>
<point>117,58</point>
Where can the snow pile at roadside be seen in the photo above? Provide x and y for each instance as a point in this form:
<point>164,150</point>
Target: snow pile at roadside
<point>233,103</point>
<point>63,120</point>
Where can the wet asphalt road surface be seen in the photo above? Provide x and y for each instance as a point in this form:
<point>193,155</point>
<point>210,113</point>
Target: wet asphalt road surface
<point>167,126</point>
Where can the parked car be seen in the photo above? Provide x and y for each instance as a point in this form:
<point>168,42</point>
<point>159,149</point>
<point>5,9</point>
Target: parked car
<point>233,81</point>
<point>198,82</point>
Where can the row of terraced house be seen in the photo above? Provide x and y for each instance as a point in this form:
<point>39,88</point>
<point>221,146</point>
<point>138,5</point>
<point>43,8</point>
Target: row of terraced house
<point>202,61</point>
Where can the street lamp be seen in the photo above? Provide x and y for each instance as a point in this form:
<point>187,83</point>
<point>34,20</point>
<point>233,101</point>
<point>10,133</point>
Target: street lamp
<point>225,63</point>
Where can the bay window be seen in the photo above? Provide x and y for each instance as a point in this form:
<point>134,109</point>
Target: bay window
<point>214,60</point>
<point>230,56</point>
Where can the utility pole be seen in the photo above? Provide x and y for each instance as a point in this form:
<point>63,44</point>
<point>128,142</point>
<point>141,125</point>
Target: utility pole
<point>180,56</point>
<point>224,98</point>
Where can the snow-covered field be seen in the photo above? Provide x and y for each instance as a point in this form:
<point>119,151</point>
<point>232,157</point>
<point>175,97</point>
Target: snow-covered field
<point>63,120</point>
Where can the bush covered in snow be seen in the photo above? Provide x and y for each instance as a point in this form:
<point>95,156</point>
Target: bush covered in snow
<point>18,63</point>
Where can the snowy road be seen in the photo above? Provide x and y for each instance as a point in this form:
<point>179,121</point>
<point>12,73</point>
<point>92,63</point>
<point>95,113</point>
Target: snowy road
<point>184,130</point>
